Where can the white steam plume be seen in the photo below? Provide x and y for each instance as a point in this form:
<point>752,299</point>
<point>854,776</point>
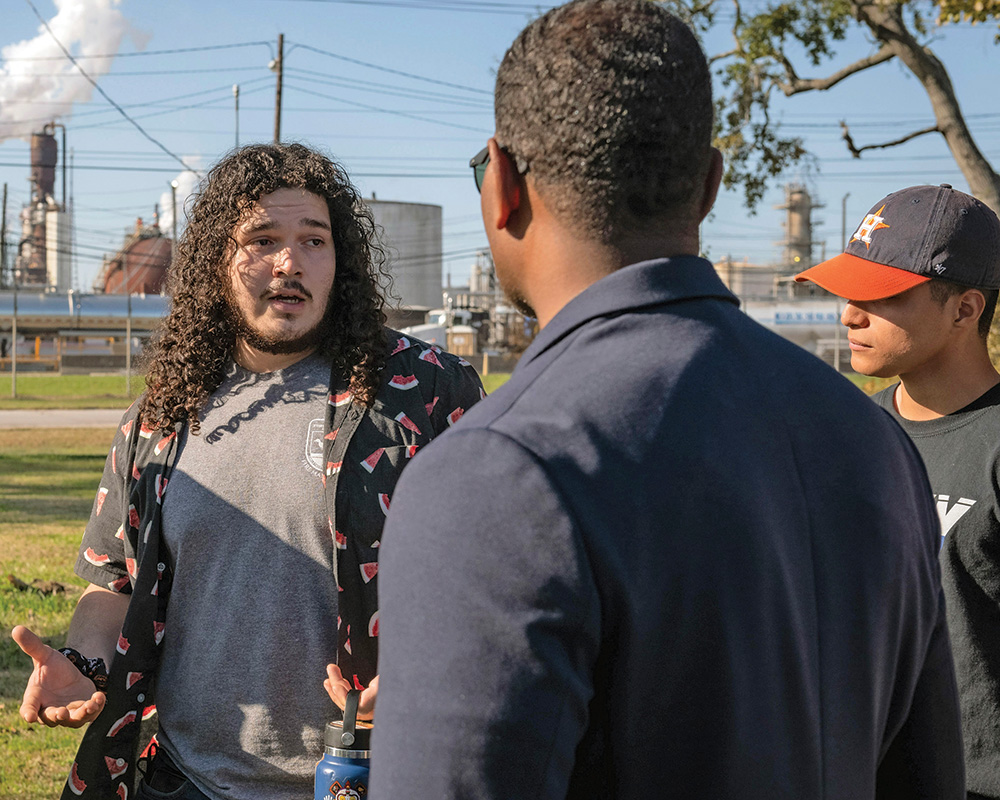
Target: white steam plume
<point>38,84</point>
<point>187,181</point>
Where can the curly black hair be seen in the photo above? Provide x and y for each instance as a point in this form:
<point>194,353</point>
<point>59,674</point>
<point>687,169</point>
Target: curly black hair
<point>609,104</point>
<point>189,357</point>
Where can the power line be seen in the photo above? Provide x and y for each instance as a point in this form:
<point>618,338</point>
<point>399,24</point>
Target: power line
<point>118,168</point>
<point>151,104</point>
<point>102,92</point>
<point>145,52</point>
<point>387,111</point>
<point>110,167</point>
<point>202,104</point>
<point>392,71</point>
<point>136,73</point>
<point>416,94</point>
<point>443,5</point>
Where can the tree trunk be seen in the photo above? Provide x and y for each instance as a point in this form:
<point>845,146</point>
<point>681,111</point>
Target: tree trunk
<point>886,22</point>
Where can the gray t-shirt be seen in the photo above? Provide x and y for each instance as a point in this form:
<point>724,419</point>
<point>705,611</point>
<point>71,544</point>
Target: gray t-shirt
<point>252,619</point>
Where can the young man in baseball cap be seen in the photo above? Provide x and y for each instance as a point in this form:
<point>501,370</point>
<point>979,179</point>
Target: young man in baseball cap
<point>921,275</point>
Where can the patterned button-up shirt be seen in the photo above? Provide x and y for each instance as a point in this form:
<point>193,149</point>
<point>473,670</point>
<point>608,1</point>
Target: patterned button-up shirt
<point>423,392</point>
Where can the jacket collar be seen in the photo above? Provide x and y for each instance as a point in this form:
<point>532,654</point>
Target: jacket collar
<point>637,286</point>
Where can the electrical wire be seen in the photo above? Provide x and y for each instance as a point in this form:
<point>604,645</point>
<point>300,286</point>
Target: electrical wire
<point>147,52</point>
<point>443,5</point>
<point>392,71</point>
<point>119,168</point>
<point>414,94</point>
<point>152,104</point>
<point>387,111</point>
<point>157,72</point>
<point>202,104</point>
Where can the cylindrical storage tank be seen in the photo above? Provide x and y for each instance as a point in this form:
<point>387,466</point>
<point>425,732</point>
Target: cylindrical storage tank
<point>44,154</point>
<point>412,239</point>
<point>58,247</point>
<point>145,261</point>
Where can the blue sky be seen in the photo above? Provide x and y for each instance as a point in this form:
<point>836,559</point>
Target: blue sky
<point>401,92</point>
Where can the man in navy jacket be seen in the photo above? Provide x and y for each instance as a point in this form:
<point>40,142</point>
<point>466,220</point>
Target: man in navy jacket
<point>677,555</point>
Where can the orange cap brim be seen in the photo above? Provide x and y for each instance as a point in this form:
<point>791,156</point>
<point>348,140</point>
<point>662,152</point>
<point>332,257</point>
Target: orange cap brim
<point>855,278</point>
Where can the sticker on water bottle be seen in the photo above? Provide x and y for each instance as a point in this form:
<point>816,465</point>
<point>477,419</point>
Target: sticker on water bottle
<point>344,791</point>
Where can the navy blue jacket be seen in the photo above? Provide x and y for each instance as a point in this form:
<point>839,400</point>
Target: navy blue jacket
<point>677,556</point>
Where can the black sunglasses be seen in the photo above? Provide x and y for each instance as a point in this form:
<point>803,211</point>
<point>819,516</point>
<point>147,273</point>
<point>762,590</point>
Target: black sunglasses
<point>479,161</point>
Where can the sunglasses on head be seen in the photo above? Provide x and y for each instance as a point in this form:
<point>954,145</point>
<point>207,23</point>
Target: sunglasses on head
<point>479,161</point>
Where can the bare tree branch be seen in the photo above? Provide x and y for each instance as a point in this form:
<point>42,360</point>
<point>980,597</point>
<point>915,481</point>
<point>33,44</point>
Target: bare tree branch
<point>857,151</point>
<point>795,84</point>
<point>736,37</point>
<point>720,56</point>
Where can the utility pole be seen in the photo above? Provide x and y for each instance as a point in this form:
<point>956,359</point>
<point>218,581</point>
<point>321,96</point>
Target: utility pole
<point>236,98</point>
<point>13,332</point>
<point>3,265</point>
<point>3,237</point>
<point>128,329</point>
<point>173,216</point>
<point>843,246</point>
<point>277,65</point>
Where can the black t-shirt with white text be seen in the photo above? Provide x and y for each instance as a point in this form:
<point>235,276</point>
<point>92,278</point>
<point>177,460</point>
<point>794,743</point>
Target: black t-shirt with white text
<point>962,454</point>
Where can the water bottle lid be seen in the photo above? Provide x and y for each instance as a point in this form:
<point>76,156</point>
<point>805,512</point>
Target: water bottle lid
<point>335,737</point>
<point>349,733</point>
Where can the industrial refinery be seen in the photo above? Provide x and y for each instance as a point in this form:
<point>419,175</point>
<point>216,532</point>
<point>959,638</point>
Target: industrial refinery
<point>801,312</point>
<point>57,328</point>
<point>43,261</point>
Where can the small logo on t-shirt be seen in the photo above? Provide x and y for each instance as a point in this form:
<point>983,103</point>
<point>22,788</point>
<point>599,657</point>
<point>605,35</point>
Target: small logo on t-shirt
<point>314,445</point>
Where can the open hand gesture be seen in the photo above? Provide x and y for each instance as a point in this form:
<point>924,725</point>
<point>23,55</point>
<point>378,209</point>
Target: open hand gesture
<point>57,694</point>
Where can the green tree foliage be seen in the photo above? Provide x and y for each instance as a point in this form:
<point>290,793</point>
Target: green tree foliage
<point>966,11</point>
<point>770,46</point>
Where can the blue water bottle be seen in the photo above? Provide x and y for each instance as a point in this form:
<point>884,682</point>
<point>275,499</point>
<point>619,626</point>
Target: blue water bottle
<point>342,773</point>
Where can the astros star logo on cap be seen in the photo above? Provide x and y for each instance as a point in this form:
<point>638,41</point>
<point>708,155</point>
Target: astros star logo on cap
<point>870,224</point>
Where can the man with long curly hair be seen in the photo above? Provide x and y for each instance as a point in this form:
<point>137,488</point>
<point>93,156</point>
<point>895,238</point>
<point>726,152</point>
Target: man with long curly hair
<point>677,571</point>
<point>233,546</point>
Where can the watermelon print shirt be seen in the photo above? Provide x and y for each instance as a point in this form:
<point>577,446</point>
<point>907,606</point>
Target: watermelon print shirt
<point>424,391</point>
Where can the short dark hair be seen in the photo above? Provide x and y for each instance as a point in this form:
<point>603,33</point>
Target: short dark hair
<point>609,103</point>
<point>942,289</point>
<point>188,358</point>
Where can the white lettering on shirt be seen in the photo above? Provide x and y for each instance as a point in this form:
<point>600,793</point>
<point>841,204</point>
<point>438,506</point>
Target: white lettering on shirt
<point>949,516</point>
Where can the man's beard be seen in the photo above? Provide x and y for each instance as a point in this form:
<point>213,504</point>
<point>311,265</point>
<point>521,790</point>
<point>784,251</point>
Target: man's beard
<point>276,345</point>
<point>521,304</point>
<point>516,299</point>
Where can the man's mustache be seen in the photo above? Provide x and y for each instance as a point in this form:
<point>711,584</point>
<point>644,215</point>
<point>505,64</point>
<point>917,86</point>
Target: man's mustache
<point>283,287</point>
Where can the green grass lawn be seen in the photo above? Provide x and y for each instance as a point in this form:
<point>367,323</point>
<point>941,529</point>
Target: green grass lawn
<point>869,385</point>
<point>103,391</point>
<point>47,484</point>
<point>494,381</point>
<point>45,390</point>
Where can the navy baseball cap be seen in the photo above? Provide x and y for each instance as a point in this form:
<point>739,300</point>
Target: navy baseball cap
<point>908,238</point>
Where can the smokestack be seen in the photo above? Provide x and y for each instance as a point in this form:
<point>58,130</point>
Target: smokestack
<point>44,155</point>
